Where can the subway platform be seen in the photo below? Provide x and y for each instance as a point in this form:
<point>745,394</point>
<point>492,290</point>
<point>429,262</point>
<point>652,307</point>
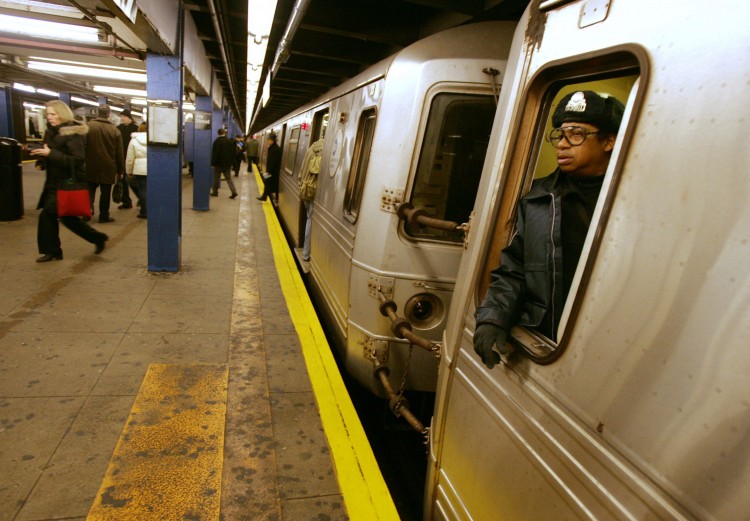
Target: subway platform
<point>205,394</point>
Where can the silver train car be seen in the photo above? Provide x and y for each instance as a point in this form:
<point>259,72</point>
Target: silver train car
<point>640,410</point>
<point>413,128</point>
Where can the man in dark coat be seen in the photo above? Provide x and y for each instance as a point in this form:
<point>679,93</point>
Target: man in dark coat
<point>105,160</point>
<point>126,127</point>
<point>222,159</point>
<point>536,270</point>
<point>273,166</point>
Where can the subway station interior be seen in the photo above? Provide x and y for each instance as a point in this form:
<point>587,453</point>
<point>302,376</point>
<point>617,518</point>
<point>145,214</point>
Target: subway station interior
<point>374,260</point>
<point>111,364</point>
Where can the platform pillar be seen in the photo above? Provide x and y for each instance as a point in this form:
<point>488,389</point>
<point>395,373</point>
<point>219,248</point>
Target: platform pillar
<point>202,142</point>
<point>164,82</point>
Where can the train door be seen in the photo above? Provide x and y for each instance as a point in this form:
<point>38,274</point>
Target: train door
<point>318,131</point>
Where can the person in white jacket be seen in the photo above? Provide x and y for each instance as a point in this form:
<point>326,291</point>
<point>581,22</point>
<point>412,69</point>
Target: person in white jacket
<point>136,165</point>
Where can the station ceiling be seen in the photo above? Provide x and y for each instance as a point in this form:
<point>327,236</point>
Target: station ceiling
<point>333,40</point>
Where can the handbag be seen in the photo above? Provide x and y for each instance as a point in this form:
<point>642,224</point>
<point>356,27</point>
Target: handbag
<point>117,191</point>
<point>73,200</point>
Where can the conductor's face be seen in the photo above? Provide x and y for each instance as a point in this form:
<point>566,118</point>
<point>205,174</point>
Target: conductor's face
<point>581,149</point>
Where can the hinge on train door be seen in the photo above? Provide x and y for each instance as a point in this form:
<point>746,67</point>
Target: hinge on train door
<point>593,12</point>
<point>376,350</point>
<point>391,199</point>
<point>384,285</point>
<point>466,229</point>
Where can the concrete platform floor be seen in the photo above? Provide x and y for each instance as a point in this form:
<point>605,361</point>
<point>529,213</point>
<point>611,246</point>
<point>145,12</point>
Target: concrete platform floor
<point>77,337</point>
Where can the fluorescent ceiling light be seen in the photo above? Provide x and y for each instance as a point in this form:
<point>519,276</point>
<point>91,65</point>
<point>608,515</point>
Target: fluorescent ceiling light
<point>84,101</point>
<point>139,77</point>
<point>259,21</point>
<point>120,90</point>
<point>49,30</point>
<point>26,88</point>
<point>138,101</point>
<point>48,93</point>
<point>188,106</point>
<point>36,6</point>
<point>33,106</point>
<point>116,109</point>
<point>85,64</point>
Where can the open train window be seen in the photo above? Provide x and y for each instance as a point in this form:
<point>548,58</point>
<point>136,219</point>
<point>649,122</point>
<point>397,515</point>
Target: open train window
<point>319,126</point>
<point>360,160</point>
<point>291,150</point>
<point>536,187</point>
<point>450,161</point>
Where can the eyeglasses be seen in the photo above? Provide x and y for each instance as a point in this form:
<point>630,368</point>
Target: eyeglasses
<point>573,135</point>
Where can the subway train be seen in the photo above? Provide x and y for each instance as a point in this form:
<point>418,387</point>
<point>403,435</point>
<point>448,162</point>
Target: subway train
<point>639,408</point>
<point>412,130</point>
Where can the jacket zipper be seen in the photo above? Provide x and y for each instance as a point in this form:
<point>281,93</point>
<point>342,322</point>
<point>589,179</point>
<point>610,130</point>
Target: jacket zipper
<point>554,267</point>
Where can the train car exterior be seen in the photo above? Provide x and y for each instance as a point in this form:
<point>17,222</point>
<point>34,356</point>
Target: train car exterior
<point>639,408</point>
<point>414,128</point>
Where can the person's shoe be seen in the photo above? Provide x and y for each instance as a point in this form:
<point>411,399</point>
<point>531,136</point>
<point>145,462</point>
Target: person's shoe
<point>99,246</point>
<point>106,220</point>
<point>261,198</point>
<point>306,259</point>
<point>125,207</point>
<point>47,257</point>
<point>233,195</point>
<point>140,216</point>
<point>212,194</point>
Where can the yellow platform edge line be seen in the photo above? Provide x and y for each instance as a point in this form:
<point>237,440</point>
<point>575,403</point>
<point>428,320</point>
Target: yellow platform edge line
<point>168,460</point>
<point>365,493</point>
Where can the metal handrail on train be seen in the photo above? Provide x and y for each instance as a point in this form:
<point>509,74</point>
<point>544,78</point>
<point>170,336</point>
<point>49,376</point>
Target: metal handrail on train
<point>398,404</point>
<point>418,217</point>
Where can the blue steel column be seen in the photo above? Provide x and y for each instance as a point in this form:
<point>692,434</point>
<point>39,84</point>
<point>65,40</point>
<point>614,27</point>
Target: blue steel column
<point>164,82</point>
<point>6,113</point>
<point>65,98</point>
<point>202,142</point>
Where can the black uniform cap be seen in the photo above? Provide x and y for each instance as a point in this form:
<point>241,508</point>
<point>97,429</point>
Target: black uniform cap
<point>604,112</point>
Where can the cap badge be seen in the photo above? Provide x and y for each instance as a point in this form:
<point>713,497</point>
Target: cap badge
<point>577,103</point>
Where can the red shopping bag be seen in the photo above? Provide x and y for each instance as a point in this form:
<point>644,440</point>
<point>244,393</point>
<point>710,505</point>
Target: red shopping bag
<point>73,200</point>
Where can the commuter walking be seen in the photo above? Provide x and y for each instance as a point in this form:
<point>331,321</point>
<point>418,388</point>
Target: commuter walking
<point>251,150</point>
<point>126,127</point>
<point>136,166</point>
<point>222,159</point>
<point>273,166</point>
<point>62,157</point>
<point>105,163</point>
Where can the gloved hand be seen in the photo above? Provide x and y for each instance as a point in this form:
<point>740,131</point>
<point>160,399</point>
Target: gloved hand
<point>485,337</point>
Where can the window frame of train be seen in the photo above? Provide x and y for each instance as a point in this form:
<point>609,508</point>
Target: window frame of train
<point>319,125</point>
<point>355,184</point>
<point>609,67</point>
<point>290,157</point>
<point>440,140</point>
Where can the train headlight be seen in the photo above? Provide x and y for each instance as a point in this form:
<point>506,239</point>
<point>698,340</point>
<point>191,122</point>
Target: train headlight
<point>424,310</point>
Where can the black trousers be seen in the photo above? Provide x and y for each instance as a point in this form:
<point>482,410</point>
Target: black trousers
<point>48,232</point>
<point>104,199</point>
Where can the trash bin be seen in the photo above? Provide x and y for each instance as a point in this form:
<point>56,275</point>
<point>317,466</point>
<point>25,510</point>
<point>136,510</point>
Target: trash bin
<point>11,180</point>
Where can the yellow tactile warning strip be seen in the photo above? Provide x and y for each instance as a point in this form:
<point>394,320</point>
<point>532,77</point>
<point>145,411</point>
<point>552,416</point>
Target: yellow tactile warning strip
<point>168,461</point>
<point>365,493</point>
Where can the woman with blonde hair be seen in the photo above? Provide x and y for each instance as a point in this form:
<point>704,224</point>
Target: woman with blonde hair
<point>63,157</point>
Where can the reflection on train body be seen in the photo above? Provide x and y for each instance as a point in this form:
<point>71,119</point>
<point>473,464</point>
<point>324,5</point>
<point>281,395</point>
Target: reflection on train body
<point>638,409</point>
<point>413,128</point>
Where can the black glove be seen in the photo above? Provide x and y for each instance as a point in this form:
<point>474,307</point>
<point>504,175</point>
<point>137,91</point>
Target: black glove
<point>485,337</point>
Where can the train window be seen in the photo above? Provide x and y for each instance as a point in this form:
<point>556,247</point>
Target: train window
<point>320,125</point>
<point>291,151</point>
<point>451,160</point>
<point>540,179</point>
<point>360,160</point>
